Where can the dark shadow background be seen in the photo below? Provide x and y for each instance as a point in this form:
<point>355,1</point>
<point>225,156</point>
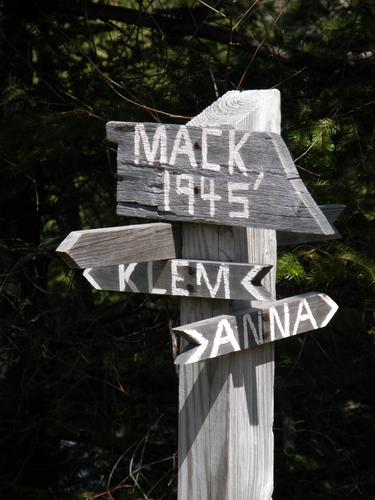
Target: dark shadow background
<point>88,391</point>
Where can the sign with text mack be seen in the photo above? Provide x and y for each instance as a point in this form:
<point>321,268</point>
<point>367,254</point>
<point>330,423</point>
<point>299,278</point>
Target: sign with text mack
<point>214,175</point>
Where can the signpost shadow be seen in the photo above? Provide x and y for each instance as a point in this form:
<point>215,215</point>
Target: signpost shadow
<point>217,379</point>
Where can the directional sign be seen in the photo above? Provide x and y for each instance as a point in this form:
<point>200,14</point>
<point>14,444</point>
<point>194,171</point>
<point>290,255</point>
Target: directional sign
<point>264,323</point>
<point>114,245</point>
<point>214,175</point>
<point>186,278</point>
<point>149,242</point>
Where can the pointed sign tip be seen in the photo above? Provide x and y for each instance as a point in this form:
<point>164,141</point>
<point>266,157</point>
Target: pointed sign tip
<point>332,304</point>
<point>68,242</point>
<point>90,279</point>
<point>191,335</point>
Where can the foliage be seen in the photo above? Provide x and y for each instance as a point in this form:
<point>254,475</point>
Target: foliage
<point>89,394</point>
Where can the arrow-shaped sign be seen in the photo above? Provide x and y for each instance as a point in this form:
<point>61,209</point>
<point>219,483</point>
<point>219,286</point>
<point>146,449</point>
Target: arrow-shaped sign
<point>114,245</point>
<point>186,278</point>
<point>266,322</point>
<point>150,242</point>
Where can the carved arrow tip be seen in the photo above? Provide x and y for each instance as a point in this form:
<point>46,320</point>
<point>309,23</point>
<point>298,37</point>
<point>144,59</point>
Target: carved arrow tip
<point>332,304</point>
<point>192,336</point>
<point>66,245</point>
<point>68,242</point>
<point>90,279</point>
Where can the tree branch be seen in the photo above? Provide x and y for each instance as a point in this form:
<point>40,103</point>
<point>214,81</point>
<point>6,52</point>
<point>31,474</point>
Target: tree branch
<point>181,22</point>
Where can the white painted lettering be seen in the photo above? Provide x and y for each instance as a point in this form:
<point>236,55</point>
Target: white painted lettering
<point>177,277</point>
<point>167,188</point>
<point>246,282</point>
<point>160,138</point>
<point>198,351</point>
<point>186,190</point>
<point>283,328</point>
<point>90,279</point>
<point>185,149</point>
<point>257,333</point>
<point>205,163</point>
<point>210,196</point>
<point>224,326</point>
<point>333,308</point>
<point>258,181</point>
<point>124,274</point>
<point>308,316</point>
<point>222,275</point>
<point>234,155</point>
<point>238,186</point>
<point>150,279</point>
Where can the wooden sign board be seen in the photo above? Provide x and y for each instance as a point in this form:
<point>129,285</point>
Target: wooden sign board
<point>184,278</point>
<point>213,175</point>
<point>151,242</point>
<point>264,323</point>
<point>114,245</point>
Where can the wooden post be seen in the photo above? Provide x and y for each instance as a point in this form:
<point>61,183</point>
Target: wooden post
<point>226,403</point>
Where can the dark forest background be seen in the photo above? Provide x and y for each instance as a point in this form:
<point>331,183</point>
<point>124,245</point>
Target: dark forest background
<point>88,392</point>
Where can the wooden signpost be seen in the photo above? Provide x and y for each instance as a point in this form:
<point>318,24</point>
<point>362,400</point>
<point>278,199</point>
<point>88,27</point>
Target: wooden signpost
<point>229,169</point>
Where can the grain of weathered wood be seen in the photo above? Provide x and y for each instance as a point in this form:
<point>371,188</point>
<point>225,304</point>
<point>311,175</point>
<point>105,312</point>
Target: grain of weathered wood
<point>226,404</point>
<point>115,245</point>
<point>265,322</point>
<point>185,278</point>
<point>332,212</point>
<point>211,175</point>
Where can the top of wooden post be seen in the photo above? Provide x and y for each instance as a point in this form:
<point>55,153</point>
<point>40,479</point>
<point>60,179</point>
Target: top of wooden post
<point>246,110</point>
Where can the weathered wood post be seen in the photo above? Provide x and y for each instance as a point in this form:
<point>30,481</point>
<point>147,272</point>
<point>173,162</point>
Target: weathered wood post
<point>226,404</point>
